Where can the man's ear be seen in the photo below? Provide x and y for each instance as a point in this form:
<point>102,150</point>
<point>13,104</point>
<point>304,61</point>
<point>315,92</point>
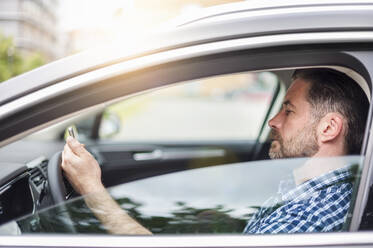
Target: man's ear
<point>330,127</point>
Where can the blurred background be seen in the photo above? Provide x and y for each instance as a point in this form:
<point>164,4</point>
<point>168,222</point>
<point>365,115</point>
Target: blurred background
<point>34,32</point>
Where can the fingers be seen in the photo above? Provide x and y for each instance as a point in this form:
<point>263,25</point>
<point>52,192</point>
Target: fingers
<point>74,145</point>
<point>68,157</point>
<point>68,154</point>
<point>81,169</point>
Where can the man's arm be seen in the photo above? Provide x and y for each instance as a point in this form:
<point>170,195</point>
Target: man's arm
<point>84,174</point>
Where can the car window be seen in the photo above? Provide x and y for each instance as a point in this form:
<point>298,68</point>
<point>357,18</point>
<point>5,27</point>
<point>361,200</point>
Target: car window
<point>226,107</point>
<point>218,199</point>
<point>181,185</point>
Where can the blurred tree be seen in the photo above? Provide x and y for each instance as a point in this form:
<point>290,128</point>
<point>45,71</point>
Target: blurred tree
<point>12,63</point>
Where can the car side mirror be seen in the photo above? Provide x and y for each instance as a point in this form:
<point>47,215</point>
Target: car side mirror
<point>110,125</point>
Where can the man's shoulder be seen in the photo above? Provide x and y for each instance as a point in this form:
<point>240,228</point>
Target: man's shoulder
<point>322,210</point>
<point>338,194</point>
<point>334,182</point>
<point>329,192</point>
<point>319,205</point>
<point>318,210</point>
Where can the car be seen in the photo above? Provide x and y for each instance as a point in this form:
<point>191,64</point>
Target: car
<point>177,120</point>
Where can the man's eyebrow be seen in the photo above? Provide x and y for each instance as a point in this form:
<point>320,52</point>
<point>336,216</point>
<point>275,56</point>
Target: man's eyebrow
<point>288,103</point>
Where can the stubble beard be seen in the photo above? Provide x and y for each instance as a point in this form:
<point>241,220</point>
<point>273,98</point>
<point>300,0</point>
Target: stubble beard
<point>302,144</point>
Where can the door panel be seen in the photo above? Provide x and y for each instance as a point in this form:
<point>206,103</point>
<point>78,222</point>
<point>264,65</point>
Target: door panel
<point>124,162</point>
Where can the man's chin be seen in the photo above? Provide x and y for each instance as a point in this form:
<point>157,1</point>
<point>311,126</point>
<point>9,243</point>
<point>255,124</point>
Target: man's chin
<point>275,154</point>
<point>275,150</point>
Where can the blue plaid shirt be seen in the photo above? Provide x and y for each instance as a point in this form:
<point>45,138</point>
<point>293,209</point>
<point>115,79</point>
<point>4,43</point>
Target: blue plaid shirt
<point>318,205</point>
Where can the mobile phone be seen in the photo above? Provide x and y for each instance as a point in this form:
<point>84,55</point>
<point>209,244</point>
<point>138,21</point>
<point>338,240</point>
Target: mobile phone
<point>71,131</point>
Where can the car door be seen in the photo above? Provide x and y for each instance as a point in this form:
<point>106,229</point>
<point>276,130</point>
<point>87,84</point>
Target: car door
<point>219,61</point>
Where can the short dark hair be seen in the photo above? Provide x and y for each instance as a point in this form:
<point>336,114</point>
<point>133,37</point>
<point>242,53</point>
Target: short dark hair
<point>334,91</point>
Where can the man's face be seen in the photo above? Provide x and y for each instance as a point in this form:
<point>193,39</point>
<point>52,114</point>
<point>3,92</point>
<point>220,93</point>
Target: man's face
<point>293,128</point>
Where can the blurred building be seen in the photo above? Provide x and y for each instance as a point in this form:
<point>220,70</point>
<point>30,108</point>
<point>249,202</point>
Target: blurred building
<point>163,10</point>
<point>33,26</point>
<point>129,18</point>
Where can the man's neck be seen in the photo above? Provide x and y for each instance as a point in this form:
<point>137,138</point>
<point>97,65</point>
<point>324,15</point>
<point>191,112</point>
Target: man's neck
<point>317,166</point>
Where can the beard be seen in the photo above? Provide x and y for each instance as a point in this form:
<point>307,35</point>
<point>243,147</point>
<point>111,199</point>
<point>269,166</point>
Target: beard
<point>302,144</point>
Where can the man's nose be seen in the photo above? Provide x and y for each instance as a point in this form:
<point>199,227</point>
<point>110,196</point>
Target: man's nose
<point>275,122</point>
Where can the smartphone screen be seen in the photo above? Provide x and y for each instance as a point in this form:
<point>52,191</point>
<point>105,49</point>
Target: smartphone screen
<point>71,131</point>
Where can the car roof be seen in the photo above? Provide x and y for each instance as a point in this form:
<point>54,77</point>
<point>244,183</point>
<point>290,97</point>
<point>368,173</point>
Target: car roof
<point>237,20</point>
<point>256,5</point>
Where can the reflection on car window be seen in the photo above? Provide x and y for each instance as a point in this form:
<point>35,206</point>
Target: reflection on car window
<point>223,107</point>
<point>218,199</point>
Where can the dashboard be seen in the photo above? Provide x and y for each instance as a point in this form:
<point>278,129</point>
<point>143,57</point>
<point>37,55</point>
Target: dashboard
<point>23,189</point>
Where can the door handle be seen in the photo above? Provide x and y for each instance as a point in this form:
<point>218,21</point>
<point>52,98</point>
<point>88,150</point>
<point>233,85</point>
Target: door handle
<point>143,156</point>
<point>178,154</point>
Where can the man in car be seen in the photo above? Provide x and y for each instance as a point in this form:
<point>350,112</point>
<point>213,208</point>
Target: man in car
<point>323,115</point>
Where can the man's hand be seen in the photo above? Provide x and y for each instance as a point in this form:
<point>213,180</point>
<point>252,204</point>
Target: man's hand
<point>84,173</point>
<point>81,168</point>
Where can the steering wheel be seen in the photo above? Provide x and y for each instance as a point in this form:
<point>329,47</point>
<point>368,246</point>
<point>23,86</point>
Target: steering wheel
<point>56,181</point>
<point>57,188</point>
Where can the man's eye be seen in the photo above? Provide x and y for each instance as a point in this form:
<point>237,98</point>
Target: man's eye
<point>287,112</point>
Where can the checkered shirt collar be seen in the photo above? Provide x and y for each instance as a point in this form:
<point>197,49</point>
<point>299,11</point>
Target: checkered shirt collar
<point>304,190</point>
